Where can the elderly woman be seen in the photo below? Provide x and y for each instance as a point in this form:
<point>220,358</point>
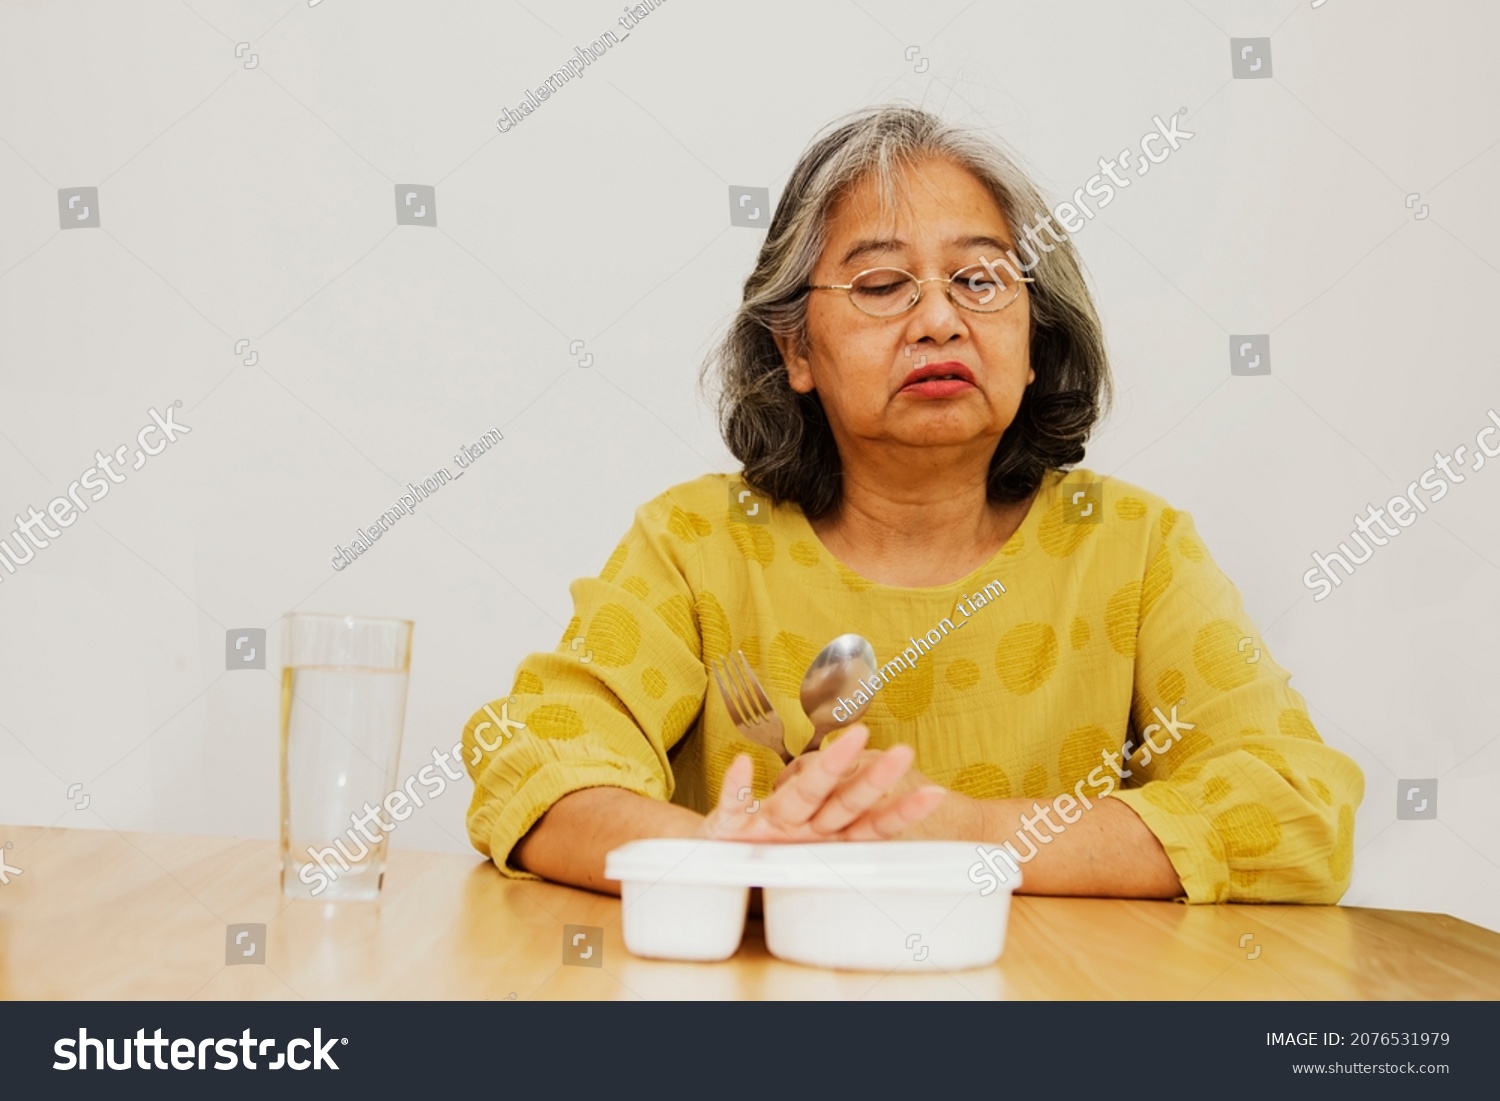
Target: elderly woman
<point>908,384</point>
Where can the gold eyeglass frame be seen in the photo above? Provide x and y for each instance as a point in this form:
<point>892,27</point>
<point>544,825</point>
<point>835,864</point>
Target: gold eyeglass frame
<point>848,288</point>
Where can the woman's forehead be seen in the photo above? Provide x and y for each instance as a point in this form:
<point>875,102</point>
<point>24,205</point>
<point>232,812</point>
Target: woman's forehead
<point>933,204</point>
<point>869,248</point>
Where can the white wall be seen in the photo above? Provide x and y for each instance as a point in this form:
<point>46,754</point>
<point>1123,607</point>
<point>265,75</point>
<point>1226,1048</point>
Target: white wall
<point>259,203</point>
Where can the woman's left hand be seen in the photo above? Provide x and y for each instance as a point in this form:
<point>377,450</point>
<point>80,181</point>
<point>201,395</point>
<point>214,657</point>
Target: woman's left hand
<point>911,781</point>
<point>957,818</point>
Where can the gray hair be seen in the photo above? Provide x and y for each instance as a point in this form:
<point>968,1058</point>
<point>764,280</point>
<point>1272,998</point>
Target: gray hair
<point>783,438</point>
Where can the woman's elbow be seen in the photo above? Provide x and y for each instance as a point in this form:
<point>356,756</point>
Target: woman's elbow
<point>1316,864</point>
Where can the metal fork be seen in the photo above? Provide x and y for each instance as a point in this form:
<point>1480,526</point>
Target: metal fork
<point>748,705</point>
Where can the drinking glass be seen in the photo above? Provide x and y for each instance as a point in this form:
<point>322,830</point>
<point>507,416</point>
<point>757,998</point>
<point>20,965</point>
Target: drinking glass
<point>343,701</point>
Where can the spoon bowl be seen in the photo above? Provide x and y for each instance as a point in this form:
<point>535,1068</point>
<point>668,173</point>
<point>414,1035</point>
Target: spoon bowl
<point>835,673</point>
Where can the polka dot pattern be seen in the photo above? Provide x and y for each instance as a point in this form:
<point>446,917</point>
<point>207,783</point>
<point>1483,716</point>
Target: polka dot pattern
<point>1293,723</point>
<point>713,627</point>
<point>789,658</point>
<point>688,526</point>
<point>679,717</point>
<point>554,720</point>
<point>1168,799</point>
<point>677,614</point>
<point>1269,756</point>
<point>1217,657</point>
<point>615,564</point>
<point>1026,657</point>
<point>1248,830</point>
<point>750,647</point>
<point>1057,535</point>
<point>805,554</point>
<point>981,781</point>
<point>1122,619</point>
<point>852,580</point>
<point>614,636</point>
<point>1156,582</point>
<point>962,675</point>
<point>1034,784</point>
<point>1038,725</point>
<point>1185,748</point>
<point>754,542</point>
<point>909,695</point>
<point>1245,880</point>
<point>1217,790</point>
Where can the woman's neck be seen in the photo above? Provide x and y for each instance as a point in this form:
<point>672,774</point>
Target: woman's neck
<point>920,532</point>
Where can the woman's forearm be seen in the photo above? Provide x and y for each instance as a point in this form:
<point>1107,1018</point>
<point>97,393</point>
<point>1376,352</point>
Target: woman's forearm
<point>1107,852</point>
<point>568,843</point>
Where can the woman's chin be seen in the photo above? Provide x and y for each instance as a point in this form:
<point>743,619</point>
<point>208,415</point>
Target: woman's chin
<point>950,437</point>
<point>950,427</point>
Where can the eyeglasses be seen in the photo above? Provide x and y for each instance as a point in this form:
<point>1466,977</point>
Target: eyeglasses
<point>890,292</point>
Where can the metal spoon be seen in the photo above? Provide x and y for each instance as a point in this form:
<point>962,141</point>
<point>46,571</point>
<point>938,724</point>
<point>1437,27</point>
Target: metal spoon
<point>835,673</point>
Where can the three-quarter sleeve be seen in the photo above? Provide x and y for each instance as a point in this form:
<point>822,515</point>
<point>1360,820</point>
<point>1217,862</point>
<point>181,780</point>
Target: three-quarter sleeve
<point>1228,770</point>
<point>625,683</point>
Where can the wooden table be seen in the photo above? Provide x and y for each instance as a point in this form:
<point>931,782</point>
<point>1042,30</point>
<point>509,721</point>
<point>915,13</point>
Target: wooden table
<point>102,915</point>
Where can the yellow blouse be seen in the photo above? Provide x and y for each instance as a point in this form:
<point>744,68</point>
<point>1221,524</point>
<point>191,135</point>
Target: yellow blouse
<point>1103,620</point>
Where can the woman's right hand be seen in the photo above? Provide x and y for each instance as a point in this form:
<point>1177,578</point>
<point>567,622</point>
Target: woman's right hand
<point>836,797</point>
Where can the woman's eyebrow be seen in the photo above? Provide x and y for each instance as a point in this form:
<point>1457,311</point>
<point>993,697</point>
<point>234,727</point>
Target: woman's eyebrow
<point>1001,247</point>
<point>867,246</point>
<point>895,244</point>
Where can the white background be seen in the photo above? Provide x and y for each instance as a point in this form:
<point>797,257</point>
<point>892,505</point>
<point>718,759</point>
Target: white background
<point>258,203</point>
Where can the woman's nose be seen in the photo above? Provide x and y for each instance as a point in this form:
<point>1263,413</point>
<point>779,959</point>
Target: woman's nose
<point>934,315</point>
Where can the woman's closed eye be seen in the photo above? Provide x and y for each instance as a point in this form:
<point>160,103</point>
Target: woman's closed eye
<point>883,286</point>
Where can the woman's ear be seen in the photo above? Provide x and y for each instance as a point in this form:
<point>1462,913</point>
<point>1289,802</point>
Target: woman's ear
<point>798,367</point>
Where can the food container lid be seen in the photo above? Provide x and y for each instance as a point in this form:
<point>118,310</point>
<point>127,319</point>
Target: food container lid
<point>682,861</point>
<point>936,867</point>
<point>926,867</point>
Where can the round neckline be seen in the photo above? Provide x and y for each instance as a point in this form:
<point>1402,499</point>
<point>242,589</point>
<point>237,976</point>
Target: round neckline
<point>1039,504</point>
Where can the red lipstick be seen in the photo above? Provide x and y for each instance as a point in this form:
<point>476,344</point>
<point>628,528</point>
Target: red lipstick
<point>938,380</point>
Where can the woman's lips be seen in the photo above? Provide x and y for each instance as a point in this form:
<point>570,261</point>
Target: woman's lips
<point>929,381</point>
<point>937,387</point>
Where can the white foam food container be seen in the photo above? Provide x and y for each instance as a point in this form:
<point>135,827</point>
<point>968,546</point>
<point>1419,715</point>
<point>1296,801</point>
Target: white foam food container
<point>879,905</point>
